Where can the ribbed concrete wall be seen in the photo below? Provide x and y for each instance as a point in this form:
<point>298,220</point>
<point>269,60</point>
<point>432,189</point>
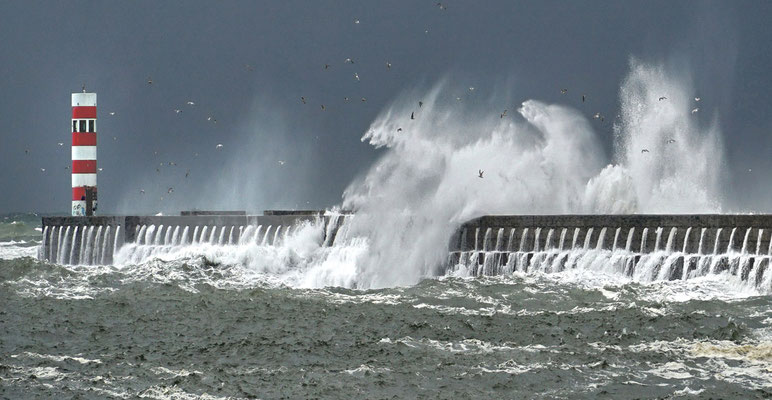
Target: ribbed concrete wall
<point>683,232</point>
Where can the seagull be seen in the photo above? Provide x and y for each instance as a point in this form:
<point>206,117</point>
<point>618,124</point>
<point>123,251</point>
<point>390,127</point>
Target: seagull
<point>356,21</point>
<point>471,88</point>
<point>303,99</point>
<point>141,191</point>
<point>645,151</point>
<point>442,6</point>
<point>219,146</point>
<point>412,115</point>
<point>26,151</point>
<point>43,169</point>
<point>420,104</point>
<point>100,169</point>
<point>480,173</point>
<point>364,99</point>
<point>187,173</point>
<point>399,129</point>
<point>177,110</point>
<point>662,98</point>
<point>326,66</point>
<point>696,99</point>
<point>388,65</point>
<point>346,98</point>
<point>695,110</point>
<point>60,144</point>
<point>349,61</point>
<point>322,107</point>
<point>67,167</point>
<point>669,141</point>
<point>112,112</point>
<point>596,116</point>
<point>281,162</point>
<point>149,80</point>
<point>583,96</point>
<point>356,76</point>
<point>503,114</point>
<point>170,190</point>
<point>563,91</point>
<point>190,103</point>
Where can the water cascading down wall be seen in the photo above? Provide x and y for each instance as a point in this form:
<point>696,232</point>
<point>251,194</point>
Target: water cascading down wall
<point>645,247</point>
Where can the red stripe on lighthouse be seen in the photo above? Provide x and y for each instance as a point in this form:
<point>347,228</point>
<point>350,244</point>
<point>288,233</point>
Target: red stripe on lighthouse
<point>83,112</point>
<point>84,139</point>
<point>84,167</point>
<point>79,193</point>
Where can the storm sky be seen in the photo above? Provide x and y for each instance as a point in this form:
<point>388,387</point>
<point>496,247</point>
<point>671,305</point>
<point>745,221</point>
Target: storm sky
<point>247,65</point>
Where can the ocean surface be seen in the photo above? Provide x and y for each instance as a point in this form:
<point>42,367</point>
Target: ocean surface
<point>188,327</point>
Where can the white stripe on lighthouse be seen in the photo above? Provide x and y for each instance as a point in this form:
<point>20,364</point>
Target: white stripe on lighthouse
<point>84,153</point>
<point>79,180</point>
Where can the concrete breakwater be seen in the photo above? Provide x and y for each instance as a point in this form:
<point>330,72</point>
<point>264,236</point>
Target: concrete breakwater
<point>643,247</point>
<point>95,240</point>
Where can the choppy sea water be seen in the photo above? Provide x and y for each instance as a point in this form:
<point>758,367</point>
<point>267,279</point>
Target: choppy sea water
<point>190,328</point>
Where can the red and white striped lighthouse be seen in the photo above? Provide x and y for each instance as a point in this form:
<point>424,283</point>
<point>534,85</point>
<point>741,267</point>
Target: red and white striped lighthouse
<point>84,153</point>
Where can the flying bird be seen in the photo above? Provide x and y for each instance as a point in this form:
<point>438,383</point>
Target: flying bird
<point>170,190</point>
<point>442,6</point>
<point>303,99</point>
<point>583,96</point>
<point>471,88</point>
<point>177,110</point>
<point>112,112</point>
<point>346,98</point>
<point>420,104</point>
<point>596,116</point>
<point>412,115</point>
<point>645,151</point>
<point>322,107</point>
<point>43,169</point>
<point>695,110</point>
<point>100,169</point>
<point>141,191</point>
<point>190,103</point>
<point>696,99</point>
<point>60,144</point>
<point>219,146</point>
<point>349,61</point>
<point>563,91</point>
<point>670,141</point>
<point>503,114</point>
<point>248,67</point>
<point>662,98</point>
<point>326,66</point>
<point>399,129</point>
<point>149,80</point>
<point>364,99</point>
<point>388,65</point>
<point>26,151</point>
<point>281,162</point>
<point>187,173</point>
<point>480,173</point>
<point>356,76</point>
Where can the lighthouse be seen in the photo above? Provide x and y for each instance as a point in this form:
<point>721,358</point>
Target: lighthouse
<point>84,154</point>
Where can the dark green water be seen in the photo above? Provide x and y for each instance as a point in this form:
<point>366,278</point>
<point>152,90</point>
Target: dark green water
<point>67,333</point>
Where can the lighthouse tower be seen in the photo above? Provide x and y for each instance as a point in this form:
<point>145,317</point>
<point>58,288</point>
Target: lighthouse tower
<point>84,154</point>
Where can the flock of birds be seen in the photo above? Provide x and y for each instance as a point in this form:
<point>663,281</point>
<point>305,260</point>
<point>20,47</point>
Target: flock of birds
<point>388,65</point>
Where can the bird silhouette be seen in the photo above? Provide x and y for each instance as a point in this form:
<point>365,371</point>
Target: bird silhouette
<point>563,91</point>
<point>190,103</point>
<point>187,173</point>
<point>349,61</point>
<point>696,99</point>
<point>388,65</point>
<point>112,112</point>
<point>420,104</point>
<point>364,99</point>
<point>322,107</point>
<point>645,151</point>
<point>356,76</point>
<point>503,114</point>
<point>695,110</point>
<point>177,110</point>
<point>303,99</point>
<point>662,98</point>
<point>412,115</point>
<point>141,191</point>
<point>399,129</point>
<point>219,146</point>
<point>480,173</point>
<point>170,190</point>
<point>670,141</point>
<point>326,66</point>
<point>583,96</point>
<point>149,80</point>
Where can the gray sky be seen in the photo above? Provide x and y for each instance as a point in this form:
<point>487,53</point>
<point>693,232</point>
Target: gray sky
<point>198,50</point>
